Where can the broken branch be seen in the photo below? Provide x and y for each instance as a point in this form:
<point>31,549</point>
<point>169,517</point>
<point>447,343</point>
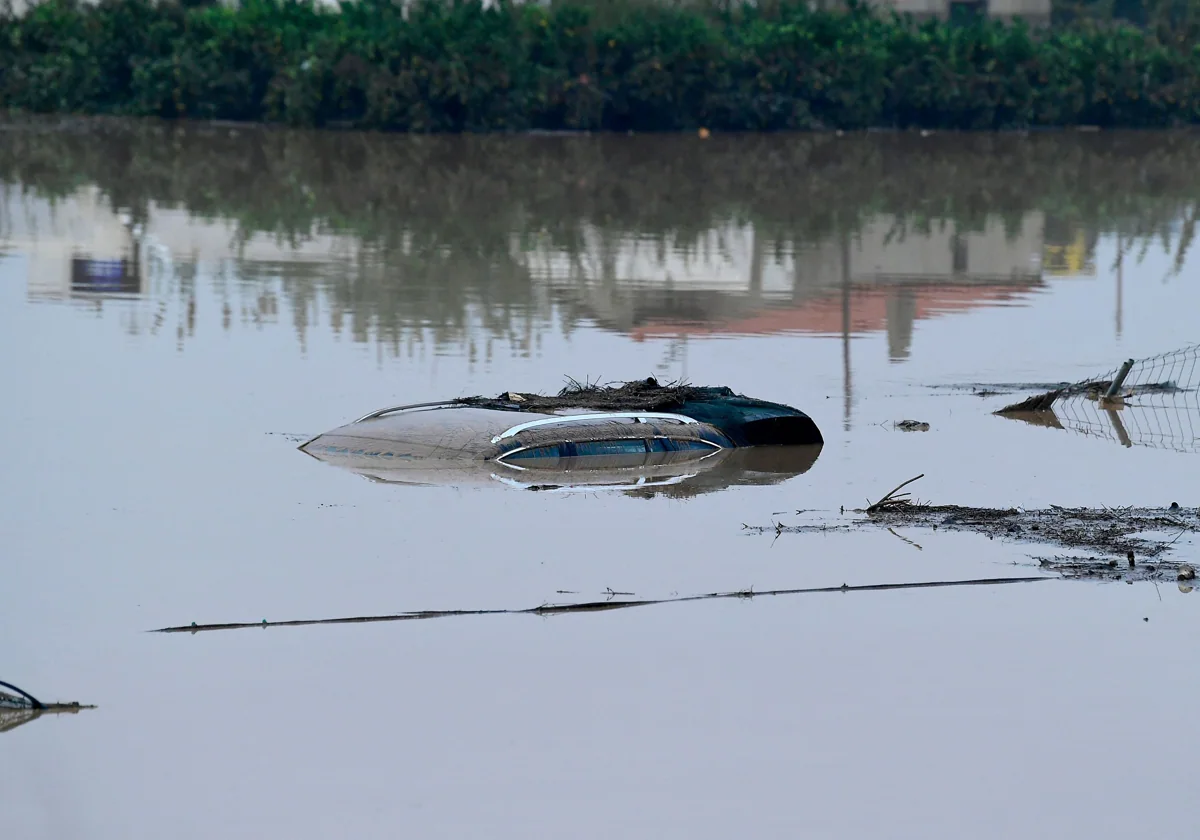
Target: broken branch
<point>891,498</point>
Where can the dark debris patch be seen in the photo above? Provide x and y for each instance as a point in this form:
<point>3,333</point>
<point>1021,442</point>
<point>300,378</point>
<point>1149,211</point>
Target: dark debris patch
<point>638,395</point>
<point>1092,390</point>
<point>1111,535</point>
<point>1052,392</point>
<point>1162,570</point>
<point>996,389</point>
<point>1106,531</point>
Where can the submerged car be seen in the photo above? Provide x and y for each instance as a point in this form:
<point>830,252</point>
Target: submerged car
<point>635,435</point>
<point>18,708</point>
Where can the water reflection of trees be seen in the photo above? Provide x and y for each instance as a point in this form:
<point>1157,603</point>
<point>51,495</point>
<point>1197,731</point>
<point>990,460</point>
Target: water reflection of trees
<point>434,219</point>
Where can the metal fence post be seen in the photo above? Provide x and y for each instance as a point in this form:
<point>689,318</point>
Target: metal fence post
<point>1120,380</point>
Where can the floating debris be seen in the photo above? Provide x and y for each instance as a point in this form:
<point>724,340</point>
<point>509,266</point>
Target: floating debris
<point>1095,568</point>
<point>1036,403</point>
<point>996,389</point>
<point>893,499</point>
<point>1109,533</point>
<point>1094,390</point>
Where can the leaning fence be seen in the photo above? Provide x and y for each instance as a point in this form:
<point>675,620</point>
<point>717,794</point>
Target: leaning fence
<point>1153,402</point>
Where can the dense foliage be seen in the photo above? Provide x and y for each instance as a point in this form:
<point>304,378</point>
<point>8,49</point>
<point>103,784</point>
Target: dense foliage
<point>454,65</point>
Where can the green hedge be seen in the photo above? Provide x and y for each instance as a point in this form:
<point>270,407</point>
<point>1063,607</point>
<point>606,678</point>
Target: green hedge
<point>644,65</point>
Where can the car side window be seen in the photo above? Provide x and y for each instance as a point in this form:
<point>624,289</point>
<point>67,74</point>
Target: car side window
<point>689,445</point>
<point>610,447</point>
<point>553,451</point>
<point>593,448</point>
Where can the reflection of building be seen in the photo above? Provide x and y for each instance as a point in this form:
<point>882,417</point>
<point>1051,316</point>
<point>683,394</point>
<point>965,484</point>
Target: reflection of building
<point>79,249</point>
<point>885,275</point>
<point>75,248</point>
<point>882,278</point>
<point>75,245</point>
<point>1069,250</point>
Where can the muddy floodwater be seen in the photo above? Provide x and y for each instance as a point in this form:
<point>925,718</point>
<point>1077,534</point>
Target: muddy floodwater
<point>181,307</point>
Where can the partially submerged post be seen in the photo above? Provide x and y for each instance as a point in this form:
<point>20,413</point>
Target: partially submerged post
<point>1118,426</point>
<point>1114,389</point>
<point>1120,380</point>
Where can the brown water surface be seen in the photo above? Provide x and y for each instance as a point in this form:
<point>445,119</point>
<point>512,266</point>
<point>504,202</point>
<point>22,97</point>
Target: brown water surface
<point>181,306</point>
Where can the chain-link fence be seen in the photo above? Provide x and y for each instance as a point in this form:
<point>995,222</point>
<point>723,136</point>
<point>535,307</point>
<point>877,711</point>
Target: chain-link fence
<point>1150,402</point>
